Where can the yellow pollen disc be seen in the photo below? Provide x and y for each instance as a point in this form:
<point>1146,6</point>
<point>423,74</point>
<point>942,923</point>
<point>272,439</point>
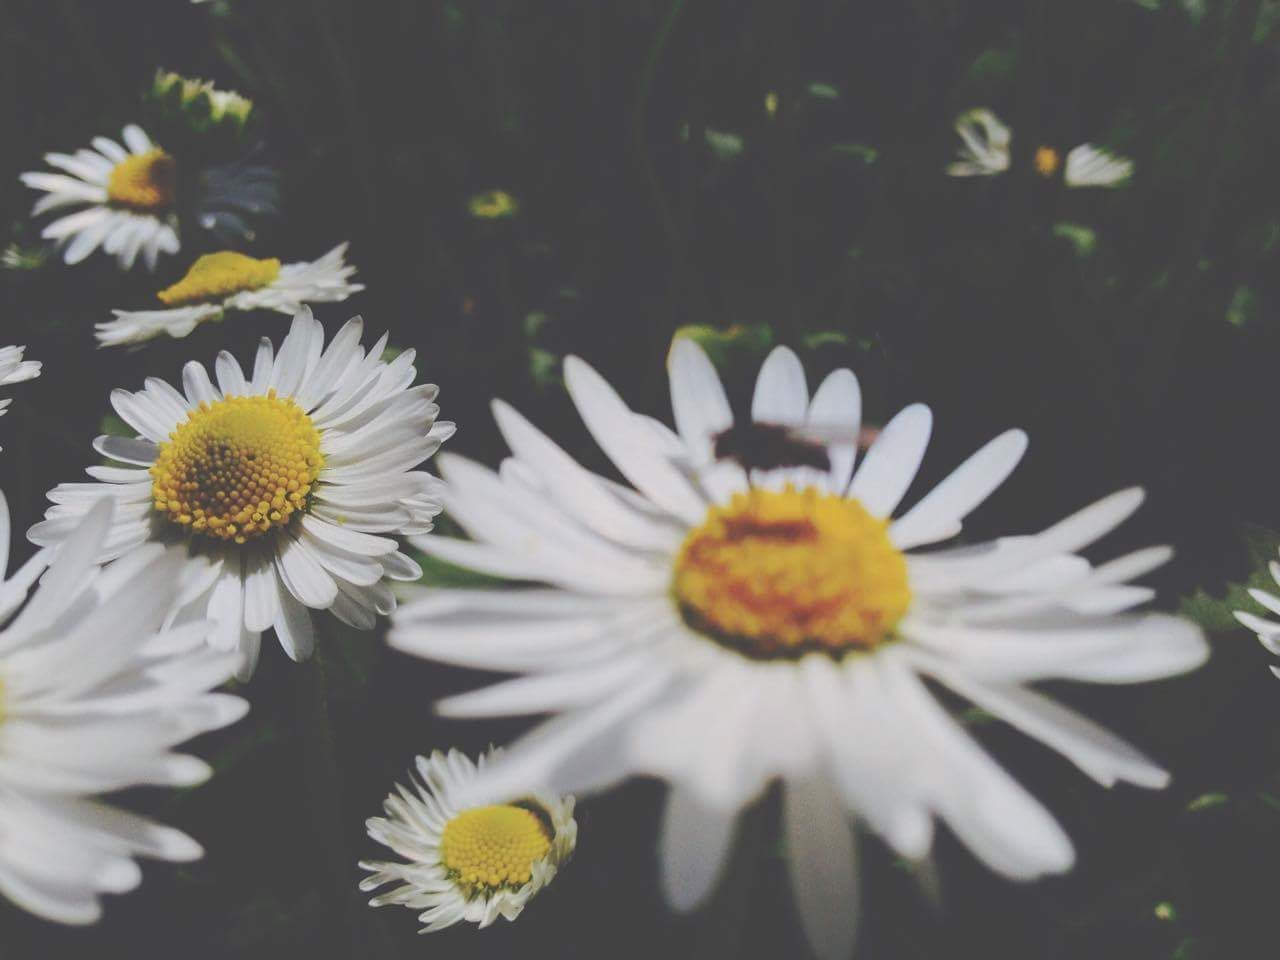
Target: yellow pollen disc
<point>1046,161</point>
<point>238,467</point>
<point>217,275</point>
<point>780,573</point>
<point>487,848</point>
<point>144,181</point>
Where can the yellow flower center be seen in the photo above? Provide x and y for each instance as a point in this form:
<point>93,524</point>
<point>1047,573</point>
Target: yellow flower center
<point>238,467</point>
<point>487,848</point>
<point>144,181</point>
<point>218,275</point>
<point>781,573</point>
<point>1047,161</point>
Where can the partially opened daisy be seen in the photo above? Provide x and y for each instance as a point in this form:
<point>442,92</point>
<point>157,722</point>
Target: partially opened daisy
<point>277,493</point>
<point>1268,631</point>
<point>13,369</point>
<point>226,281</point>
<point>126,195</point>
<point>986,151</point>
<point>723,632</point>
<point>94,697</point>
<point>466,860</point>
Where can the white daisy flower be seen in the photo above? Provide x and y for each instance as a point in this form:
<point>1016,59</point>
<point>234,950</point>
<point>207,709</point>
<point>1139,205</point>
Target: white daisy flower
<point>1089,166</point>
<point>226,281</point>
<point>277,492</point>
<point>92,700</point>
<point>466,861</point>
<point>127,194</point>
<point>986,152</point>
<point>986,145</point>
<point>721,634</point>
<point>13,369</point>
<point>1268,631</point>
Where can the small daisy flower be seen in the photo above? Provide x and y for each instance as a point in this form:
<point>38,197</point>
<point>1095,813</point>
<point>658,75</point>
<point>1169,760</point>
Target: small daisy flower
<point>277,493</point>
<point>199,102</point>
<point>226,281</point>
<point>723,630</point>
<point>127,194</point>
<point>1268,631</point>
<point>93,700</point>
<point>13,369</point>
<point>985,152</point>
<point>466,861</point>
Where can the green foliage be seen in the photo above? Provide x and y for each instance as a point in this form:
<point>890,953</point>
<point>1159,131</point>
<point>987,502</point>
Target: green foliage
<point>1213,613</point>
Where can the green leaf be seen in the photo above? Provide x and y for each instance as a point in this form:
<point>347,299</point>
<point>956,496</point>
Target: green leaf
<point>1207,801</point>
<point>1215,614</point>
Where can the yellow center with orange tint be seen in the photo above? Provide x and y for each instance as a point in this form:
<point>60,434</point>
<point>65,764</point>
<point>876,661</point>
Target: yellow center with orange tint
<point>488,848</point>
<point>1047,161</point>
<point>782,573</point>
<point>237,468</point>
<point>144,181</point>
<point>215,276</point>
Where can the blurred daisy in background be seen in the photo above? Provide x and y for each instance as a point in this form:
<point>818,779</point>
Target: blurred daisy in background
<point>275,493</point>
<point>466,861</point>
<point>1268,631</point>
<point>127,195</point>
<point>986,151</point>
<point>721,630</point>
<point>228,281</point>
<point>13,369</point>
<point>94,700</point>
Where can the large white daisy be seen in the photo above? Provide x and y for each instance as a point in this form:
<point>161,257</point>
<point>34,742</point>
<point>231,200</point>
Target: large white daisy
<point>1268,631</point>
<point>722,635</point>
<point>226,281</point>
<point>13,369</point>
<point>467,861</point>
<point>276,492</point>
<point>126,193</point>
<point>93,699</point>
<point>985,151</point>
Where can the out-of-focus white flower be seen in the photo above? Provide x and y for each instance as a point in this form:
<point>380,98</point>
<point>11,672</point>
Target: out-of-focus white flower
<point>721,630</point>
<point>94,697</point>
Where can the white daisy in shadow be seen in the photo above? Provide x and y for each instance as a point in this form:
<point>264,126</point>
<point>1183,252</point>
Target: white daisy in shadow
<point>276,493</point>
<point>13,369</point>
<point>218,283</point>
<point>1268,631</point>
<point>126,195</point>
<point>94,696</point>
<point>985,151</point>
<point>466,861</point>
<point>723,634</point>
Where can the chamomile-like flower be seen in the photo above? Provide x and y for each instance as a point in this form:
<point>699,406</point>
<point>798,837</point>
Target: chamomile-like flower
<point>986,151</point>
<point>126,193</point>
<point>277,493</point>
<point>1268,631</point>
<point>13,369</point>
<point>722,631</point>
<point>470,861</point>
<point>94,696</point>
<point>227,281</point>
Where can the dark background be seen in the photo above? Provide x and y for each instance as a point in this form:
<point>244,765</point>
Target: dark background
<point>1147,359</point>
